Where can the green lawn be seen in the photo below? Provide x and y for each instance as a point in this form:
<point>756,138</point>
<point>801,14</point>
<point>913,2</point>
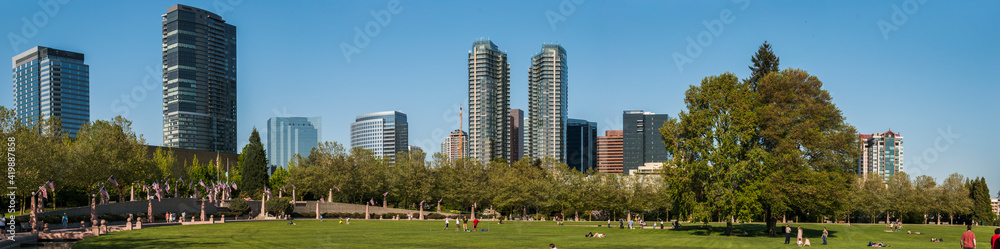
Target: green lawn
<point>428,234</point>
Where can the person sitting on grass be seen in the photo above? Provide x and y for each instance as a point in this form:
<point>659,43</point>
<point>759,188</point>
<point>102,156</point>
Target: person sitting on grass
<point>807,242</point>
<point>291,223</point>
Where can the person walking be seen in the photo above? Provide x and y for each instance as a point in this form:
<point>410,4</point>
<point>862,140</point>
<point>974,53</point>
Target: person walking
<point>446,221</point>
<point>475,224</point>
<point>968,238</point>
<point>799,238</point>
<point>621,224</point>
<point>65,221</point>
<point>788,233</point>
<point>825,233</point>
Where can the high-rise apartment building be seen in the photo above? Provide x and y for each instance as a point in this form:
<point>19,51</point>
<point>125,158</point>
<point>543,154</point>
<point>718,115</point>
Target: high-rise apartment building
<point>609,152</point>
<point>548,103</point>
<point>51,83</point>
<point>456,145</point>
<point>516,134</point>
<point>489,102</point>
<point>881,154</point>
<point>641,139</point>
<point>287,136</point>
<point>384,133</point>
<point>581,144</point>
<point>199,80</point>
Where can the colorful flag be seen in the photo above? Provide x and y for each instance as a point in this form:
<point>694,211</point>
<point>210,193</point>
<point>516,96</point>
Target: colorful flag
<point>104,193</point>
<point>182,180</point>
<point>386,193</point>
<point>335,187</point>
<point>201,183</point>
<point>293,186</point>
<point>321,200</point>
<point>168,186</point>
<point>112,180</point>
<point>234,186</point>
<point>45,194</point>
<point>372,201</point>
<point>51,186</point>
<point>267,191</point>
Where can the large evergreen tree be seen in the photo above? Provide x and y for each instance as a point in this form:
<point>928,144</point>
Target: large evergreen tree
<point>764,62</point>
<point>253,166</point>
<point>980,195</point>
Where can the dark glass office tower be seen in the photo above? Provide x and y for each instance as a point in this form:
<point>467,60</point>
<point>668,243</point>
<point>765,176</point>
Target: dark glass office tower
<point>642,142</point>
<point>52,83</point>
<point>199,80</point>
<point>581,144</point>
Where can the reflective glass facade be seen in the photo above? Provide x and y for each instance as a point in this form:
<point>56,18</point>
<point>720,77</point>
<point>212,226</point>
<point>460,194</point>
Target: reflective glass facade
<point>641,139</point>
<point>581,144</point>
<point>489,102</point>
<point>199,80</point>
<point>384,133</point>
<point>287,136</point>
<point>548,98</point>
<point>52,83</point>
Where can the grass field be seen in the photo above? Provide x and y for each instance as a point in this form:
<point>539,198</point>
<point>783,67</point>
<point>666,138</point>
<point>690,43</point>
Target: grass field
<point>429,234</point>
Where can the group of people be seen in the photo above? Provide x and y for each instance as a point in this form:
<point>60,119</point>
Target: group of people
<point>461,223</point>
<point>969,238</point>
<point>800,240</point>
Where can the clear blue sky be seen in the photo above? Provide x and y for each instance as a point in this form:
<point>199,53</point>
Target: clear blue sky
<point>935,71</point>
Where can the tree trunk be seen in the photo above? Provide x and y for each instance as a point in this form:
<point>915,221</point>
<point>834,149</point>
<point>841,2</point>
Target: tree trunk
<point>771,222</point>
<point>951,219</point>
<point>729,226</point>
<point>938,218</point>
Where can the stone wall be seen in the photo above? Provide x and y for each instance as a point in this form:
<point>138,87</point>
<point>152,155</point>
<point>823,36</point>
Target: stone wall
<point>177,205</point>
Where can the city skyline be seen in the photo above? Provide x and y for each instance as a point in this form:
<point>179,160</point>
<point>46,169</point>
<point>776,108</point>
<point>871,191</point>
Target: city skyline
<point>933,103</point>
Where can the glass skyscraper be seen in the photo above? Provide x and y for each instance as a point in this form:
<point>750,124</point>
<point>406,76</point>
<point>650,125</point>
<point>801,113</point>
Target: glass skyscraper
<point>52,83</point>
<point>384,133</point>
<point>641,139</point>
<point>287,136</point>
<point>199,80</point>
<point>489,102</point>
<point>581,144</point>
<point>548,100</point>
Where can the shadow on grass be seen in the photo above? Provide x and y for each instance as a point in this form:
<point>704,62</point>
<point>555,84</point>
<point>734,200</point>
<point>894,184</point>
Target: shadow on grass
<point>749,230</point>
<point>138,243</point>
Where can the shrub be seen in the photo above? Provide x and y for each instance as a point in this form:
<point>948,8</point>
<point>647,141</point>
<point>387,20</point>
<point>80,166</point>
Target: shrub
<point>110,217</point>
<point>305,214</point>
<point>276,206</point>
<point>434,216</point>
<point>239,206</point>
